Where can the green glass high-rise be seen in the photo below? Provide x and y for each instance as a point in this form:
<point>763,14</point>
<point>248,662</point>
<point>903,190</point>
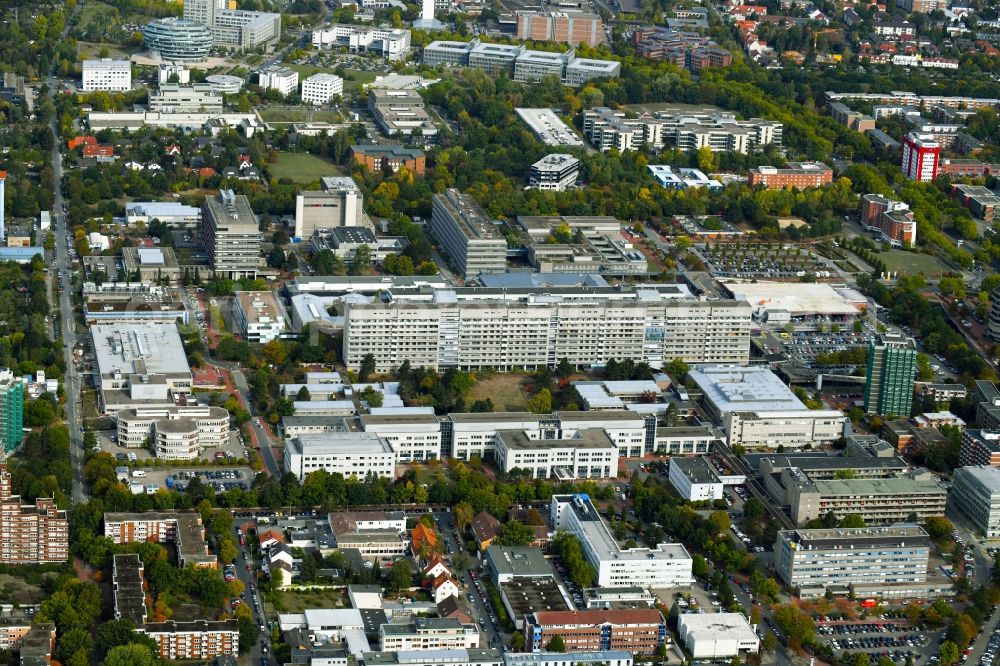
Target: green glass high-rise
<point>11,410</point>
<point>892,365</point>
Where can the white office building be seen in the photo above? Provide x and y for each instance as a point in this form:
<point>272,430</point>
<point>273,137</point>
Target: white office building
<point>429,633</point>
<point>345,453</point>
<point>106,74</point>
<point>666,565</point>
<point>139,365</point>
<point>975,491</point>
<point>694,479</point>
<point>717,635</point>
<point>414,437</point>
<point>391,43</point>
<point>758,410</point>
<point>258,316</point>
<point>589,454</point>
<point>557,172</point>
<point>175,98</point>
<point>172,213</point>
<point>282,79</point>
<point>320,88</point>
<point>136,425</point>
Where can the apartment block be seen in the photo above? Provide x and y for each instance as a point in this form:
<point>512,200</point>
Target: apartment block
<point>425,633</point>
<point>183,529</point>
<point>11,410</point>
<point>377,157</point>
<point>258,316</point>
<point>666,565</point>
<point>892,365</point>
<point>194,98</point>
<point>138,426</point>
<point>32,534</point>
<point>921,6</point>
<point>230,232</point>
<point>889,562</point>
<point>797,176</point>
<point>106,74</point>
<point>176,640</point>
<point>633,631</point>
<point>536,327</point>
<point>468,237</point>
<point>320,88</point>
<point>573,28</point>
<point>980,448</point>
<point>921,154</point>
<point>345,453</point>
<point>557,172</point>
<point>391,43</point>
<point>892,220</point>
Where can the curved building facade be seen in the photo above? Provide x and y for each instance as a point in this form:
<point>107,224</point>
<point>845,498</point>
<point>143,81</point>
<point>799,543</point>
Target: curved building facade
<point>177,39</point>
<point>224,83</point>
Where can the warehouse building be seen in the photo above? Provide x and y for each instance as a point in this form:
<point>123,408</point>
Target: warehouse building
<point>717,635</point>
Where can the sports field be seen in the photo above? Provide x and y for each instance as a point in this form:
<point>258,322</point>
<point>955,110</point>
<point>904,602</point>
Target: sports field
<point>303,167</point>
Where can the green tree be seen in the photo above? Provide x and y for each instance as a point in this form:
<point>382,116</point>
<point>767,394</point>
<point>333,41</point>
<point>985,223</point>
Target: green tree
<point>134,654</point>
<point>401,575</point>
<point>517,641</point>
<point>719,520</point>
<point>541,402</point>
<point>464,513</point>
<point>367,368</point>
<point>852,520</point>
<point>362,260</point>
<point>516,533</point>
<point>677,369</point>
<point>948,652</point>
<point>249,631</point>
<point>557,644</point>
<point>303,395</point>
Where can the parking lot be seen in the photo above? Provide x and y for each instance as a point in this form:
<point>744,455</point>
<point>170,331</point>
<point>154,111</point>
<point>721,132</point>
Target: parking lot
<point>895,639</point>
<point>221,480</point>
<point>764,260</point>
<point>235,452</point>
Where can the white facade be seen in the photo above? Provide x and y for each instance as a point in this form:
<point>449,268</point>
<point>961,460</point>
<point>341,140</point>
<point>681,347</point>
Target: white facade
<point>415,438</point>
<point>258,316</point>
<point>136,425</point>
<point>789,429</point>
<point>667,565</point>
<point>106,74</point>
<point>976,493</point>
<point>556,172</point>
<point>339,204</point>
<point>390,43</point>
<point>588,455</point>
<point>175,98</point>
<point>282,79</point>
<point>694,480</point>
<point>345,453</point>
<point>319,88</point>
<point>428,634</point>
<point>717,635</point>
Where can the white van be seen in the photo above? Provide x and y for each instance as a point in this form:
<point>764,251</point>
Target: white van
<point>138,473</point>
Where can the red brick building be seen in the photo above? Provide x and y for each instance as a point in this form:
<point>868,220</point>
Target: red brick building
<point>636,631</point>
<point>798,175</point>
<point>573,28</point>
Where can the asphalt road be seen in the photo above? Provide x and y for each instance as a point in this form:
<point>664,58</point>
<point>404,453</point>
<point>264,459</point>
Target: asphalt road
<point>249,580</point>
<point>67,319</point>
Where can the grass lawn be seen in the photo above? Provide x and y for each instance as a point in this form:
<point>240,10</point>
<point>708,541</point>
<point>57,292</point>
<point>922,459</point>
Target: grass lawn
<point>506,390</point>
<point>300,114</point>
<point>92,49</point>
<point>296,601</point>
<point>303,167</point>
<point>912,262</point>
<point>357,78</point>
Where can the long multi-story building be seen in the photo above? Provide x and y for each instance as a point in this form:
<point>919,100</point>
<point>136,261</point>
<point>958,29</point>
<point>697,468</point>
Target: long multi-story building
<point>637,631</point>
<point>194,98</point>
<point>469,238</point>
<point>906,98</point>
<point>797,175</point>
<point>892,220</point>
<point>521,63</point>
<point>892,365</point>
<point>981,201</point>
<point>31,534</point>
<point>11,410</point>
<point>573,28</point>
<point>975,491</point>
<point>666,565</point>
<point>537,327</point>
<point>427,633</point>
<point>391,43</point>
<point>230,233</point>
<point>686,130</point>
<point>183,529</point>
<point>980,448</point>
<point>414,437</point>
<point>890,562</point>
<point>139,365</point>
<point>106,74</point>
<point>345,453</point>
<point>140,426</point>
<point>590,454</point>
<point>921,154</point>
<point>877,501</point>
<point>199,640</point>
<point>234,28</point>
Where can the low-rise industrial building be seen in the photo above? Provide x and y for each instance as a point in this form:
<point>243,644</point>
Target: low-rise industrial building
<point>694,479</point>
<point>139,365</point>
<point>717,635</point>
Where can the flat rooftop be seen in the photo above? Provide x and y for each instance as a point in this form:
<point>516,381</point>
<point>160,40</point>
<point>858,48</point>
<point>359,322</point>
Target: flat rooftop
<point>585,439</point>
<point>732,388</point>
<point>260,307</point>
<point>549,128</point>
<point>988,477</point>
<point>142,349</point>
<point>800,299</point>
<point>876,487</point>
<point>527,595</point>
<point>130,598</point>
<point>712,626</point>
<point>519,561</point>
<point>339,443</point>
<point>232,211</point>
<point>696,469</point>
<point>860,537</point>
<point>467,214</point>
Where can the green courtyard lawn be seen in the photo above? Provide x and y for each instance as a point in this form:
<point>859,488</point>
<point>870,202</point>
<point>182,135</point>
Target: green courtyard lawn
<point>912,263</point>
<point>302,167</point>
